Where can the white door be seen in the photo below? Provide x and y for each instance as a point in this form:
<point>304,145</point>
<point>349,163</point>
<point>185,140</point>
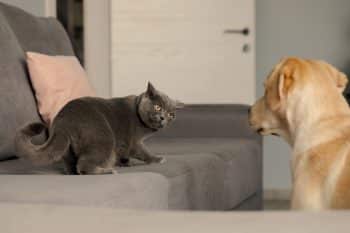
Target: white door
<point>193,50</point>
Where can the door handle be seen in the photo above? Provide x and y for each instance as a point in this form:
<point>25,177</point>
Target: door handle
<point>244,31</point>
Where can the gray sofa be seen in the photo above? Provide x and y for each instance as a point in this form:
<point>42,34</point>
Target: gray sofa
<point>214,161</point>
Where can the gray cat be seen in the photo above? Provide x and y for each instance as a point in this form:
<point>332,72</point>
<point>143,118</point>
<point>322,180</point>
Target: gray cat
<point>91,135</point>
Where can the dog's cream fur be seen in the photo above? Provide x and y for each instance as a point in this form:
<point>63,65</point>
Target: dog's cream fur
<point>303,103</point>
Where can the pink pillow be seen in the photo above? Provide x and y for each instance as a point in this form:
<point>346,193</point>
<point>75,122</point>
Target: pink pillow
<point>56,81</point>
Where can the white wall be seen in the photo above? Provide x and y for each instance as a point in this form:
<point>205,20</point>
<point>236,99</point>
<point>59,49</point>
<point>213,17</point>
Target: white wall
<point>310,28</point>
<point>97,45</point>
<point>180,47</point>
<point>36,7</point>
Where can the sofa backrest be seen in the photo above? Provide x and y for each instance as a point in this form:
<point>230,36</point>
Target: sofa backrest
<point>21,32</point>
<point>205,120</point>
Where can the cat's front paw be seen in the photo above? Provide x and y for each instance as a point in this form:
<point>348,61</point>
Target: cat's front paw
<point>163,160</point>
<point>114,172</point>
<point>160,160</point>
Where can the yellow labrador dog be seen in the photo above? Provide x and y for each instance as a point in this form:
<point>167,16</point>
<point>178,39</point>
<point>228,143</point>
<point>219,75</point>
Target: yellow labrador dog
<point>303,103</point>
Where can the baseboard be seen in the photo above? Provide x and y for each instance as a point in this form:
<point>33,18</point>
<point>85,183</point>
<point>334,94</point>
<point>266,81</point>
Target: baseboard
<point>277,194</point>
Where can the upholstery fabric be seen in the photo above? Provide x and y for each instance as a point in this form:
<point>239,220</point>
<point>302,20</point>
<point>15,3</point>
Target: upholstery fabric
<point>136,191</point>
<point>17,102</point>
<point>20,32</point>
<point>203,173</point>
<point>41,35</point>
<point>225,120</point>
<point>207,173</point>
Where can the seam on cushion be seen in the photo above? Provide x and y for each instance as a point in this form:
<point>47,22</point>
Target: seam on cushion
<point>11,157</point>
<point>244,199</point>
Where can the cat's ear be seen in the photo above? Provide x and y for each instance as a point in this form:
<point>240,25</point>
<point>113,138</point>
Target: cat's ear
<point>179,104</point>
<point>151,91</point>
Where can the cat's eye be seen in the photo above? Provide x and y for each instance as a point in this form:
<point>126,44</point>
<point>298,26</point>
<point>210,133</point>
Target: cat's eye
<point>157,108</point>
<point>171,115</point>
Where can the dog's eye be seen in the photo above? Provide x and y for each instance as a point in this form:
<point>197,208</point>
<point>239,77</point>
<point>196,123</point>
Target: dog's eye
<point>157,108</point>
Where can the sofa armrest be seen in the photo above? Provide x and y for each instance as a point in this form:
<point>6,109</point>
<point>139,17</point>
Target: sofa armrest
<point>205,120</point>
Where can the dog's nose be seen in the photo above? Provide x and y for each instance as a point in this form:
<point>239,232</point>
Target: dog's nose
<point>162,118</point>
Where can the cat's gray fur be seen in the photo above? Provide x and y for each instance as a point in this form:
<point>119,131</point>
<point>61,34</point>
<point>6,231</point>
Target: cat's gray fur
<point>91,135</point>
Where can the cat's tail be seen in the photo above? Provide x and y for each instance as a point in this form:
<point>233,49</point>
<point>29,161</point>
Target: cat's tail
<point>55,147</point>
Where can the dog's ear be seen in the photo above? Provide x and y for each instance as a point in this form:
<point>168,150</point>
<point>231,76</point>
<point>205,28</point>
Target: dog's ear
<point>341,81</point>
<point>339,78</point>
<point>285,82</point>
<point>281,87</point>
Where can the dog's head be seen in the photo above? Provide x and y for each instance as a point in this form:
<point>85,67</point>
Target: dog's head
<point>288,88</point>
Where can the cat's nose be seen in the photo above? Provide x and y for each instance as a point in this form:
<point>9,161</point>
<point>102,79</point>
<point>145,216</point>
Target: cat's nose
<point>162,118</point>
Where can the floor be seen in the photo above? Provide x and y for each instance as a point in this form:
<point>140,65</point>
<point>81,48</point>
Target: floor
<point>276,205</point>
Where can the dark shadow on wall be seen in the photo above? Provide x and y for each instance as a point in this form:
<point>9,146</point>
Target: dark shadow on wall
<point>71,14</point>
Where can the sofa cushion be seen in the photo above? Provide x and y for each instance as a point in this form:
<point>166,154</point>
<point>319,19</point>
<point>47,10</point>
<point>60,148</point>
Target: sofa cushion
<point>136,191</point>
<point>207,173</point>
<point>212,174</point>
<point>17,102</point>
<point>193,145</point>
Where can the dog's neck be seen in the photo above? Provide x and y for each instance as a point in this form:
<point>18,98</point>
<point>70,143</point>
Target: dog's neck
<point>311,118</point>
